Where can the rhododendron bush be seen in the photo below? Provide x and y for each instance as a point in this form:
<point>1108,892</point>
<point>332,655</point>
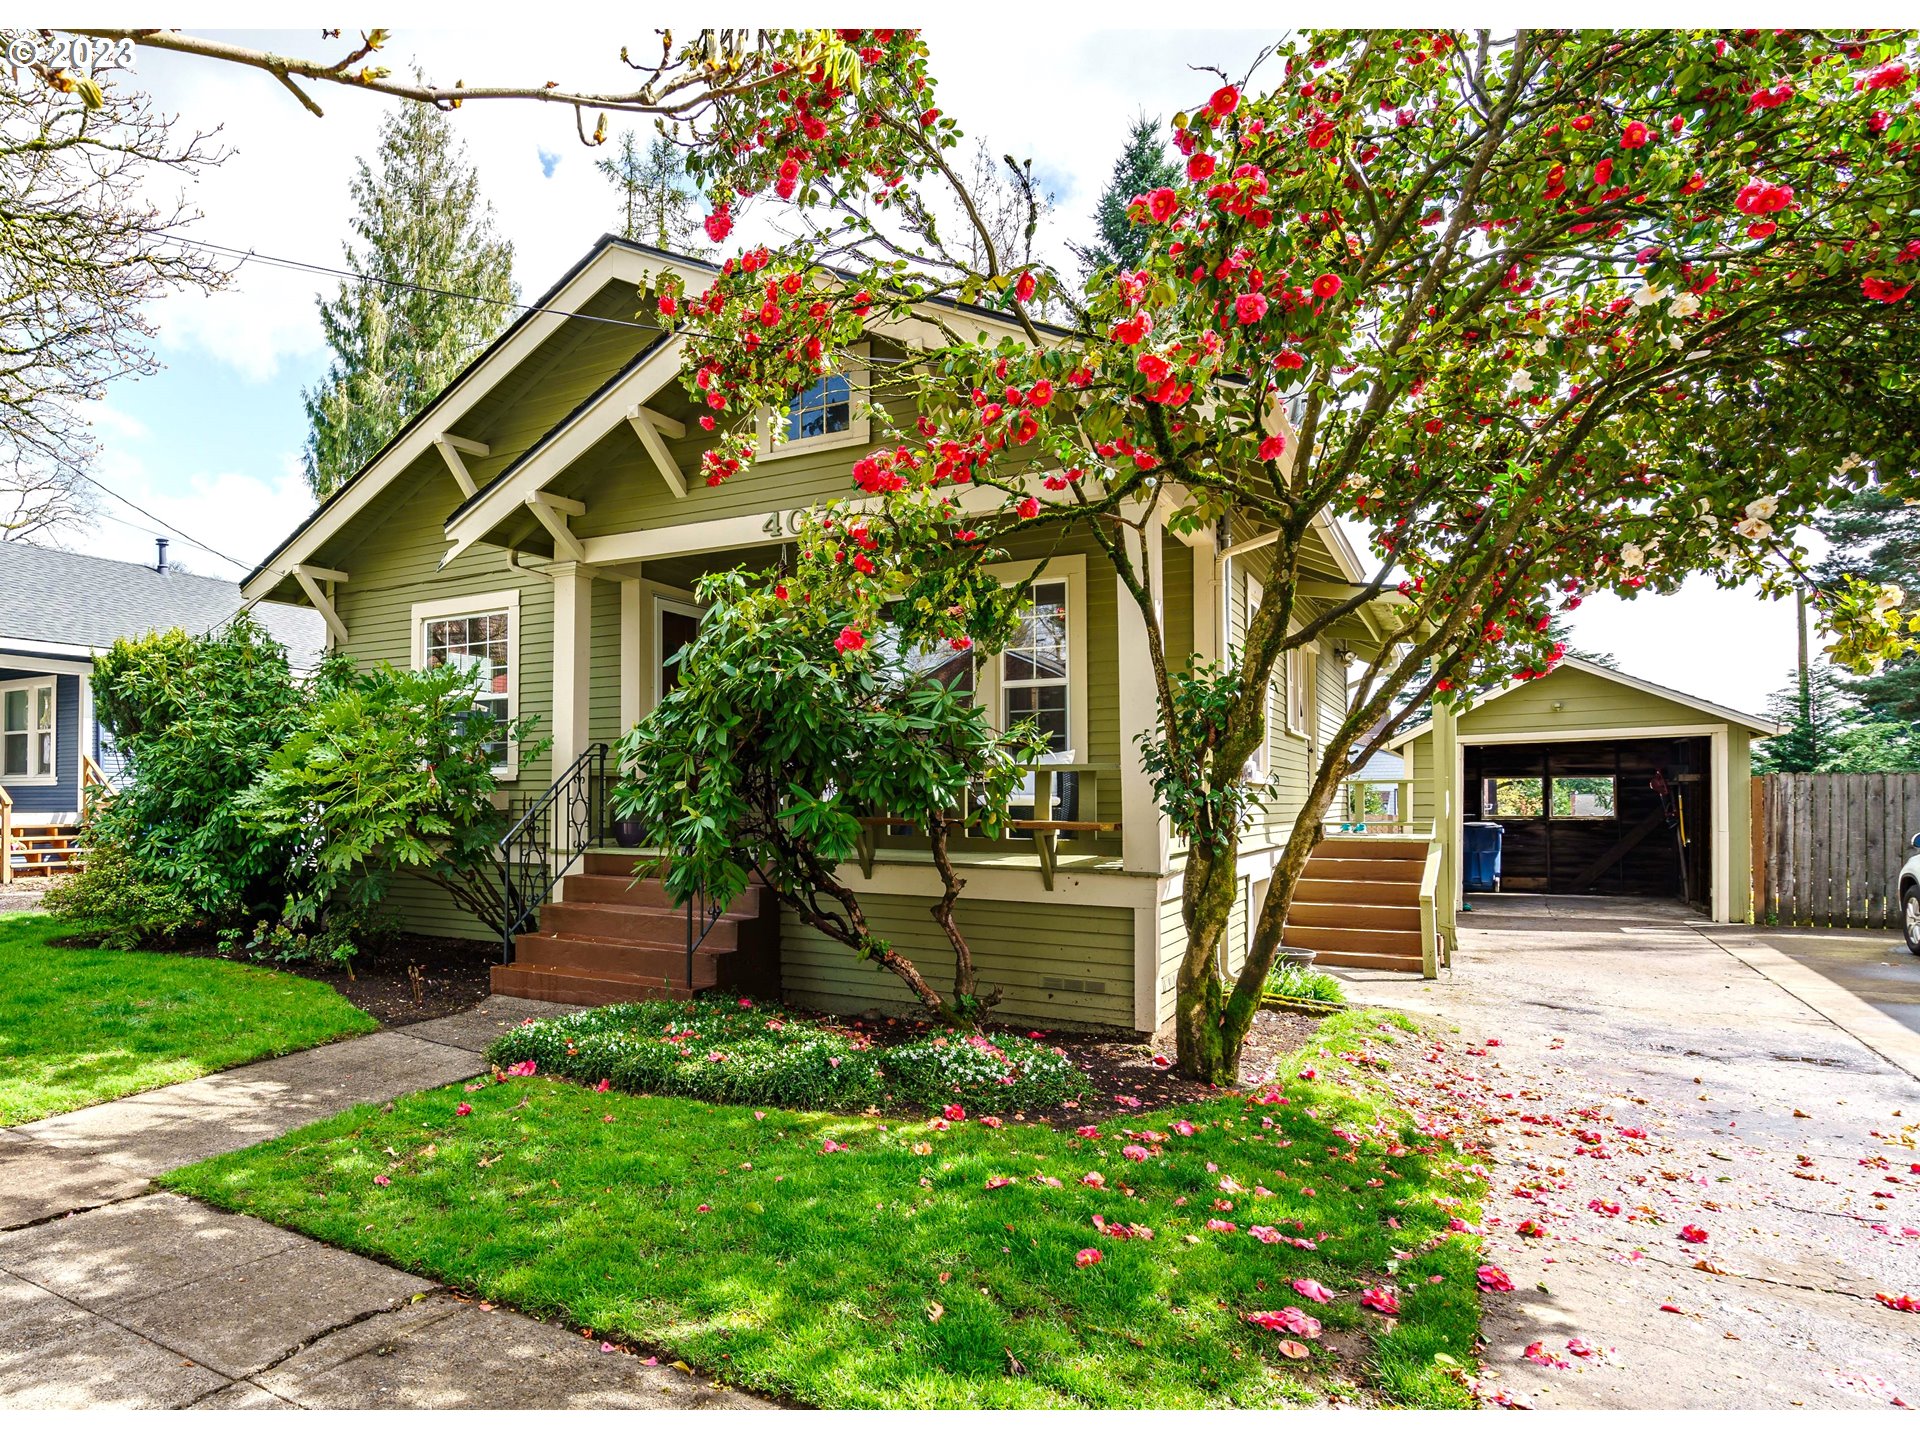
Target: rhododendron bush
<point>1542,315</point>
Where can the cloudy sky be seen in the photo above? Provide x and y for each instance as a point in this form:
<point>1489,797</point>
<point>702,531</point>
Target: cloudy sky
<point>212,443</point>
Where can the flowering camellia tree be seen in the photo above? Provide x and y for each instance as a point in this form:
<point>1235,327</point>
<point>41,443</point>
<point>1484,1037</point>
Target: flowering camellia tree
<point>1555,314</point>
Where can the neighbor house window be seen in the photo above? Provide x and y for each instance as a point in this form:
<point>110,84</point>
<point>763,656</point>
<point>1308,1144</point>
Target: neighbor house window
<point>27,746</point>
<point>1583,797</point>
<point>479,635</point>
<point>1513,797</point>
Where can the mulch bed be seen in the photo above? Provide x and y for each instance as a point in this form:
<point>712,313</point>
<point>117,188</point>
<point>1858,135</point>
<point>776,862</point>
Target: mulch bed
<point>453,976</point>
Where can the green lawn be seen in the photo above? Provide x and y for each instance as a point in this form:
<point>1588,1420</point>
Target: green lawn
<point>893,1271</point>
<point>78,1026</point>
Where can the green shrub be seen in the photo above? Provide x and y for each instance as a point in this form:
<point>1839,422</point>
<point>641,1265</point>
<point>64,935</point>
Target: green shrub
<point>715,1048</point>
<point>1297,982</point>
<point>119,905</point>
<point>722,1049</point>
<point>989,1072</point>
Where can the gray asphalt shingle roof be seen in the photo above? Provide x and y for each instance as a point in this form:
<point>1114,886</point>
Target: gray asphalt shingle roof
<point>59,598</point>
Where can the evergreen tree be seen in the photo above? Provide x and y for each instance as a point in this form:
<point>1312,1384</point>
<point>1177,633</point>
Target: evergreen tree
<point>658,205</point>
<point>1830,731</point>
<point>438,286</point>
<point>1143,165</point>
<point>1877,537</point>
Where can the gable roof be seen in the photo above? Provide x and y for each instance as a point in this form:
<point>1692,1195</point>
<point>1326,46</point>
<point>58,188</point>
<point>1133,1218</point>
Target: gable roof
<point>54,599</point>
<point>1632,682</point>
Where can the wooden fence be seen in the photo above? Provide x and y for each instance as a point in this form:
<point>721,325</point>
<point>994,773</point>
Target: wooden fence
<point>1827,849</point>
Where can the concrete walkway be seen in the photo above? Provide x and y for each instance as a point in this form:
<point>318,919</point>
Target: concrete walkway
<point>1643,1065</point>
<point>113,1294</point>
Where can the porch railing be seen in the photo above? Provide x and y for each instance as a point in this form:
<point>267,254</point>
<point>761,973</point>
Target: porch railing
<point>6,837</point>
<point>1375,807</point>
<point>545,842</point>
<point>1061,800</point>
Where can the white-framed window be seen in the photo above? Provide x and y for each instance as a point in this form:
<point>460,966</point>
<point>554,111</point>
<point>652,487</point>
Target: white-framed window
<point>829,413</point>
<point>1042,673</point>
<point>1302,681</point>
<point>1263,757</point>
<point>481,635</point>
<point>29,748</point>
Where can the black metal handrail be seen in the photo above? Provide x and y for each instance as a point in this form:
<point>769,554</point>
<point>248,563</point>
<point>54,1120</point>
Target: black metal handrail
<point>556,830</point>
<point>709,913</point>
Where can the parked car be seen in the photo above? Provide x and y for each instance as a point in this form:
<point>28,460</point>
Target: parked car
<point>1910,898</point>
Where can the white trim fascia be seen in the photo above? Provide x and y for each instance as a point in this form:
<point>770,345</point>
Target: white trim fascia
<point>1632,682</point>
<point>560,448</point>
<point>41,665</point>
<point>614,263</point>
<point>9,643</point>
<point>1116,890</point>
<point>666,599</point>
<point>443,607</point>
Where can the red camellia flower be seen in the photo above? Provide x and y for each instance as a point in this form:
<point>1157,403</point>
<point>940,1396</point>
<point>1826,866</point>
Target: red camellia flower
<point>1273,447</point>
<point>1027,508</point>
<point>1634,136</point>
<point>1757,197</point>
<point>1320,136</point>
<point>849,639</point>
<point>1887,76</point>
<point>1162,203</point>
<point>1885,291</point>
<point>1583,122</point>
<point>1250,308</point>
<point>1761,229</point>
<point>1326,286</point>
<point>1023,288</point>
<point>1200,166</point>
<point>719,225</point>
<point>1693,1234</point>
<point>1224,101</point>
<point>1290,360</point>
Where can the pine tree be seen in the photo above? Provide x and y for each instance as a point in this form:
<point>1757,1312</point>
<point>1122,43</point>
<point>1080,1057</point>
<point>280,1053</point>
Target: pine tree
<point>1876,536</point>
<point>438,285</point>
<point>658,206</point>
<point>1143,165</point>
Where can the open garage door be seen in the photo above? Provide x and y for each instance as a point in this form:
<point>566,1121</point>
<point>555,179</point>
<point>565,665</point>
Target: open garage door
<point>1598,817</point>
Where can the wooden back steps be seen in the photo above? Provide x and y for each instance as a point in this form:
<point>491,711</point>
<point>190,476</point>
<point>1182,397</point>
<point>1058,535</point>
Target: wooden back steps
<point>611,937</point>
<point>1358,902</point>
<point>44,850</point>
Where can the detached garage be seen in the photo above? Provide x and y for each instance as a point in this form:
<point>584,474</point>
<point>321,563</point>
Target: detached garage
<point>1602,784</point>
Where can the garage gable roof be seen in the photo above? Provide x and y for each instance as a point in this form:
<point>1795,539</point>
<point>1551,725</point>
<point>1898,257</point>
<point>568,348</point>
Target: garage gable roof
<point>1632,682</point>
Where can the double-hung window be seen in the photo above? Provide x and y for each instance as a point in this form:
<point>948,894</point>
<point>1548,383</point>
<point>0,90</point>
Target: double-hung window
<point>1036,667</point>
<point>828,413</point>
<point>28,748</point>
<point>480,635</point>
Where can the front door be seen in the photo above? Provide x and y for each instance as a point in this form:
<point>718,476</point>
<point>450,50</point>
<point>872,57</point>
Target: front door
<point>675,623</point>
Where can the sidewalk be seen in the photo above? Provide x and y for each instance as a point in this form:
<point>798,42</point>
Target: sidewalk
<point>111,1294</point>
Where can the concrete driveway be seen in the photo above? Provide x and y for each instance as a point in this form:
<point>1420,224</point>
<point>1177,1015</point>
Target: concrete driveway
<point>1874,965</point>
<point>1640,1072</point>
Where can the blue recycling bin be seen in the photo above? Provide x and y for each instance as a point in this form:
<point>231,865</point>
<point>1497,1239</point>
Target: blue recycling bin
<point>1480,864</point>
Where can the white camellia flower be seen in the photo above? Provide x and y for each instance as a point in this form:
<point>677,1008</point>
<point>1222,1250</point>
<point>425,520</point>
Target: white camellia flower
<point>1852,462</point>
<point>1647,295</point>
<point>1683,306</point>
<point>1540,346</point>
<point>1892,597</point>
<point>1523,379</point>
<point>1762,509</point>
<point>1754,528</point>
<point>1632,556</point>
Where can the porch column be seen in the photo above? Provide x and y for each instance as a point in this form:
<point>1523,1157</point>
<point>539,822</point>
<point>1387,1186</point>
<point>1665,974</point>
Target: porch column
<point>572,664</point>
<point>632,617</point>
<point>1203,548</point>
<point>1145,836</point>
<point>1446,817</point>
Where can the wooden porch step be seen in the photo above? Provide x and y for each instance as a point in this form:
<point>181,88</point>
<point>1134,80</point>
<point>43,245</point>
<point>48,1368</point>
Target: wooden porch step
<point>1346,915</point>
<point>602,889</point>
<point>642,923</point>
<point>1363,847</point>
<point>1370,942</point>
<point>561,986</point>
<point>1341,867</point>
<point>1364,960</point>
<point>1319,889</point>
<point>615,959</point>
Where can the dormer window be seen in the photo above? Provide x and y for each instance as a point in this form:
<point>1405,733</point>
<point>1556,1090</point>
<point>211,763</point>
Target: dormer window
<point>827,414</point>
<point>824,408</point>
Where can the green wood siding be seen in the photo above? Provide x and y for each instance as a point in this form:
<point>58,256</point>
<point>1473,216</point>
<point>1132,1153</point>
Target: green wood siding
<point>1058,964</point>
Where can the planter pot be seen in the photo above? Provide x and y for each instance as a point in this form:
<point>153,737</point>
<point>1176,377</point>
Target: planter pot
<point>629,834</point>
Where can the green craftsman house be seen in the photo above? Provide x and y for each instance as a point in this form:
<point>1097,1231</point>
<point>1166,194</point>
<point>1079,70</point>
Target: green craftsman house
<point>543,522</point>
